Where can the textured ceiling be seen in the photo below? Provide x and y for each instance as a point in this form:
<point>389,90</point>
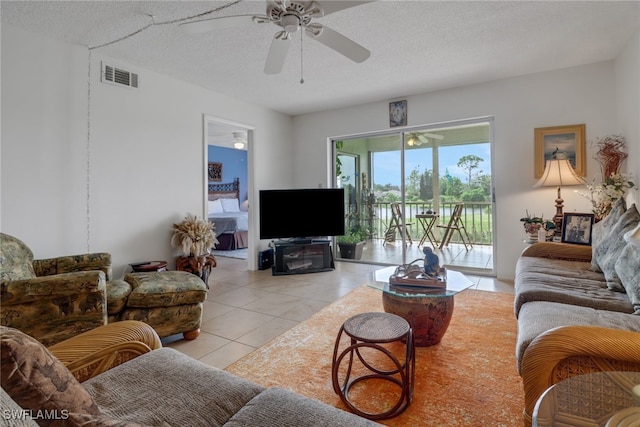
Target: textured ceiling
<point>416,46</point>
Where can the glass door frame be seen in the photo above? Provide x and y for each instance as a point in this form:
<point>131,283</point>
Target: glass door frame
<point>401,132</point>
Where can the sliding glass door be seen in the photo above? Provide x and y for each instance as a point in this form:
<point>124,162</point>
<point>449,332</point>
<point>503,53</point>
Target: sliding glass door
<point>425,186</point>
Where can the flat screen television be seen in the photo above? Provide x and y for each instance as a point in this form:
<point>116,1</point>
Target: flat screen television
<point>301,213</point>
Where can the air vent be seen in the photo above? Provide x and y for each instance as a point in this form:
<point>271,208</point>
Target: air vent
<point>118,76</point>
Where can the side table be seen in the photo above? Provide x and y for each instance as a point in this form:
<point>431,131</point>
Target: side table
<point>141,267</point>
<point>428,221</point>
<point>199,265</point>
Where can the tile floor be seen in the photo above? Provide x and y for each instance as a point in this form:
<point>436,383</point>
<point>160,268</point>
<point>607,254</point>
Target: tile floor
<point>478,258</point>
<point>245,309</point>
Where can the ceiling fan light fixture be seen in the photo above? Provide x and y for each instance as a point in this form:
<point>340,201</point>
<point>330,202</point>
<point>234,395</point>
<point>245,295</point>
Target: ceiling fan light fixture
<point>290,23</point>
<point>239,140</point>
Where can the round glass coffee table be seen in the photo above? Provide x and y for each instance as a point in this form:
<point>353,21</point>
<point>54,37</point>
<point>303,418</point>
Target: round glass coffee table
<point>428,310</point>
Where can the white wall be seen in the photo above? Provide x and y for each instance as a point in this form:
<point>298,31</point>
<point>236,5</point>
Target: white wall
<point>627,68</point>
<point>147,156</point>
<point>585,94</point>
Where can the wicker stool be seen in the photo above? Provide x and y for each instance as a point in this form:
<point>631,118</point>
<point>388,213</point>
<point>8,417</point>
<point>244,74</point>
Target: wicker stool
<point>371,330</point>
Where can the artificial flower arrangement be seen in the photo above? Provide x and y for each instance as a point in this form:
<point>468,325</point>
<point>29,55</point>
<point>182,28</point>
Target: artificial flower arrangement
<point>605,194</point>
<point>533,223</point>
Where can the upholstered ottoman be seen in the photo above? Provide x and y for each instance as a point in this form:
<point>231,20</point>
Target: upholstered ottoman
<point>169,301</point>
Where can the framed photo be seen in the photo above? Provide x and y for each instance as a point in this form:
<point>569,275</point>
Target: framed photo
<point>214,172</point>
<point>576,228</point>
<point>565,140</point>
<point>398,113</point>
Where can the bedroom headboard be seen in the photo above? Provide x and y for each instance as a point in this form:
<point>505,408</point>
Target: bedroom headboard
<point>225,190</point>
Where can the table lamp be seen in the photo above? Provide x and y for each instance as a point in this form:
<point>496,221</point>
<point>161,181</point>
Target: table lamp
<point>558,172</point>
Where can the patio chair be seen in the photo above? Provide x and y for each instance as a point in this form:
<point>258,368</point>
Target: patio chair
<point>455,224</point>
<point>397,224</point>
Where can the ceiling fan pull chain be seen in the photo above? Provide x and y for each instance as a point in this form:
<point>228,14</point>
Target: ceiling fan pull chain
<point>301,60</point>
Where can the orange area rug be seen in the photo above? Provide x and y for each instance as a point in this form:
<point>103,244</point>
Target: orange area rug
<point>469,379</point>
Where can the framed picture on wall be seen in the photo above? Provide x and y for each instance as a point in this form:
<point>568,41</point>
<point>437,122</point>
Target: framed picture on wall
<point>215,172</point>
<point>398,113</point>
<point>561,140</point>
<point>576,228</point>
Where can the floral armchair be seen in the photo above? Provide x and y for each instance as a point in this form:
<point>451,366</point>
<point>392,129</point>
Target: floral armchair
<point>52,299</point>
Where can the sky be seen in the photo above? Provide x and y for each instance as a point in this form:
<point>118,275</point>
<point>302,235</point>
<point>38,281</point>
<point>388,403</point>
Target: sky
<point>387,164</point>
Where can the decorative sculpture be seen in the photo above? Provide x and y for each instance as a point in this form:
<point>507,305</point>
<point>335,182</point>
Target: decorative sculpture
<point>431,262</point>
<point>430,275</point>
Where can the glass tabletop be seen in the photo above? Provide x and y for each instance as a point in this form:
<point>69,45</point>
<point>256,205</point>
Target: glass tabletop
<point>456,282</point>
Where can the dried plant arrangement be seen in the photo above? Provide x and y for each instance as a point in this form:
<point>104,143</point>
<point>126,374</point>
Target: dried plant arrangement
<point>193,236</point>
<point>611,153</point>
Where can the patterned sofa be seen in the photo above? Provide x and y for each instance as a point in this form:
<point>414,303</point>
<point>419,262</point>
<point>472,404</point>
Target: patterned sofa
<point>55,299</point>
<point>578,307</point>
<point>155,387</point>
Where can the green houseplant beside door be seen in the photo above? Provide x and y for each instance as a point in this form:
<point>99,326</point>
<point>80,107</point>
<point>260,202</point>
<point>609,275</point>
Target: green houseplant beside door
<point>352,243</point>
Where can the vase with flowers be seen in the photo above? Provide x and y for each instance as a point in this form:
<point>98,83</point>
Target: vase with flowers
<point>611,153</point>
<point>194,237</point>
<point>603,195</point>
<point>533,224</point>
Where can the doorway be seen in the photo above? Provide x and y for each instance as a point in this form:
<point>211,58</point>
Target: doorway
<point>410,185</point>
<point>228,186</point>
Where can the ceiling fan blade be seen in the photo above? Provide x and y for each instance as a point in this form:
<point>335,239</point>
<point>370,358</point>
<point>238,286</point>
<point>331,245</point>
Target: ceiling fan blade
<point>334,6</point>
<point>433,135</point>
<point>338,42</point>
<point>277,53</point>
<point>206,25</point>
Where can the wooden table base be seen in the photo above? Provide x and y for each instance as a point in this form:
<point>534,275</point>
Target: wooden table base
<point>429,317</point>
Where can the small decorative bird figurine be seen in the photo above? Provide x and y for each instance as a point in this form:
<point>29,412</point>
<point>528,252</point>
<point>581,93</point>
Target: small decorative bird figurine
<point>431,262</point>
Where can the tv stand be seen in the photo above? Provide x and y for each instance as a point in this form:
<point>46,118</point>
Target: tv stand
<point>293,257</point>
<point>302,241</point>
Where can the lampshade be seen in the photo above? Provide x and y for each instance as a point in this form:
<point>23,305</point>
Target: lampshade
<point>558,172</point>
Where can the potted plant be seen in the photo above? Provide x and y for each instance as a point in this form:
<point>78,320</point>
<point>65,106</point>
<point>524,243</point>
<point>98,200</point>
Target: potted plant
<point>194,237</point>
<point>352,243</point>
<point>533,223</point>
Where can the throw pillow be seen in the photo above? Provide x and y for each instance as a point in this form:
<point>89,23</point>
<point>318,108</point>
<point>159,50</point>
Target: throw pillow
<point>39,382</point>
<point>215,207</point>
<point>627,267</point>
<point>611,246</point>
<point>602,228</point>
<point>231,205</point>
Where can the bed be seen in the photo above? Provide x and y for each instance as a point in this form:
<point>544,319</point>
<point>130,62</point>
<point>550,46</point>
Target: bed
<point>230,221</point>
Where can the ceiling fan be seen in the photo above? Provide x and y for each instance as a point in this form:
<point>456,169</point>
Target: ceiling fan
<point>291,16</point>
<point>413,139</point>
